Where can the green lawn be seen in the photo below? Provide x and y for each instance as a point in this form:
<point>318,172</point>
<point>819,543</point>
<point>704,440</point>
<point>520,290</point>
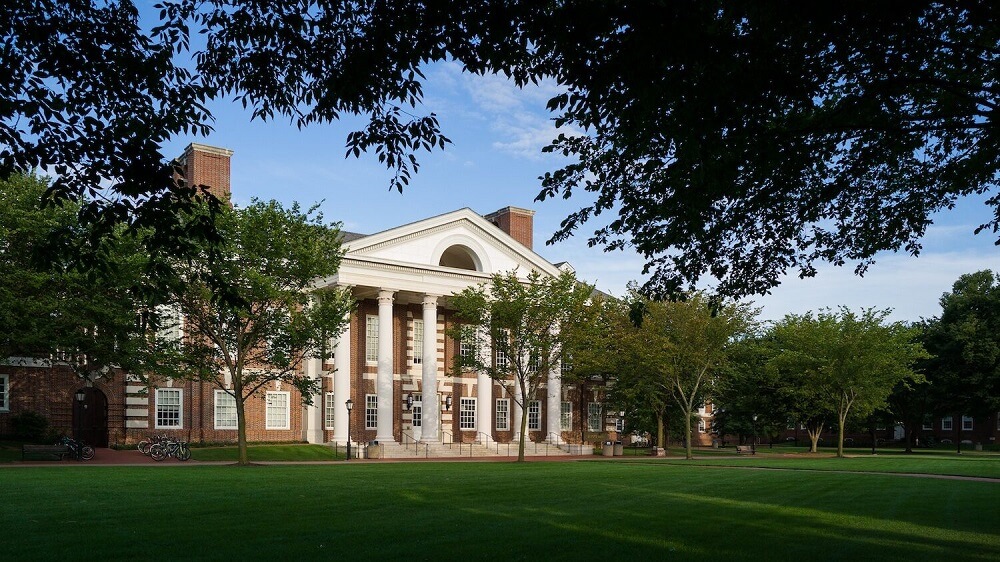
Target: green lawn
<point>859,460</point>
<point>504,511</point>
<point>286,453</point>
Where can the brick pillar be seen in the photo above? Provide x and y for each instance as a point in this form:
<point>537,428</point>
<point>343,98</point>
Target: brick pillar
<point>208,166</point>
<point>515,221</point>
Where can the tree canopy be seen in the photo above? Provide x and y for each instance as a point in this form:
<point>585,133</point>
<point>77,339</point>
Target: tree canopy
<point>737,140</point>
<point>271,259</point>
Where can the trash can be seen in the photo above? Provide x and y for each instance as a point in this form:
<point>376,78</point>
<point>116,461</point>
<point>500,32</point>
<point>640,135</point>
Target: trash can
<point>608,449</point>
<point>373,451</point>
<point>619,449</point>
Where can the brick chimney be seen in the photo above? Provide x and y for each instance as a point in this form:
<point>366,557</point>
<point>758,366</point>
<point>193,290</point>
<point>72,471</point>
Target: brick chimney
<point>515,221</point>
<point>208,165</point>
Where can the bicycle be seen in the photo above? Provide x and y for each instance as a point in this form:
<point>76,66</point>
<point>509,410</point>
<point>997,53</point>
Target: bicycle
<point>77,449</point>
<point>170,448</point>
<point>145,444</point>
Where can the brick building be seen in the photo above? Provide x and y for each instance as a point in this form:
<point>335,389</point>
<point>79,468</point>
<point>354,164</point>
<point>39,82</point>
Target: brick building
<point>392,362</point>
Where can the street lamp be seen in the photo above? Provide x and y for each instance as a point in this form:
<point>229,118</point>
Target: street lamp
<point>409,402</point>
<point>753,444</point>
<point>447,403</point>
<point>350,406</point>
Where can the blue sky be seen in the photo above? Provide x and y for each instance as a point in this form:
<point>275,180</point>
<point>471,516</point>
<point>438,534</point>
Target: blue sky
<point>495,160</point>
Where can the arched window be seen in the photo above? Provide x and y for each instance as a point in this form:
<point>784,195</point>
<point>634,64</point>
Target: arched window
<point>460,257</point>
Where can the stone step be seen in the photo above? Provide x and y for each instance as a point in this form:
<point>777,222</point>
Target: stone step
<point>393,450</point>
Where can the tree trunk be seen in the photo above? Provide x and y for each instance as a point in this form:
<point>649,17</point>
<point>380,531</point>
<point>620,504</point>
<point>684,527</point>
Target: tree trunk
<point>814,437</point>
<point>660,431</point>
<point>241,428</point>
<point>524,422</point>
<point>687,433</point>
<point>908,430</point>
<point>841,422</point>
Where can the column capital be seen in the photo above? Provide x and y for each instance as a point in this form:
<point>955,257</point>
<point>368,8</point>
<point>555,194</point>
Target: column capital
<point>385,296</point>
<point>430,301</point>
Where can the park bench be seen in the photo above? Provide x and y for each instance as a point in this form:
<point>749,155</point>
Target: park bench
<point>745,450</point>
<point>44,452</point>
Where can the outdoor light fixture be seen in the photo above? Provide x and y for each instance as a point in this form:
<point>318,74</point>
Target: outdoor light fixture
<point>409,402</point>
<point>447,403</point>
<point>80,396</point>
<point>350,406</point>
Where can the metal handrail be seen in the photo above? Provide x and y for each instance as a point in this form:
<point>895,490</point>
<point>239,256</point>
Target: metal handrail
<point>451,438</point>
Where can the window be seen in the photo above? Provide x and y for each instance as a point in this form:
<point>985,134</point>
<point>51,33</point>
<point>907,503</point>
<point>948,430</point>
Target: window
<point>534,415</point>
<point>371,411</point>
<point>418,342</point>
<point>566,366</point>
<point>791,425</point>
<point>277,410</point>
<point>168,407</point>
<point>371,339</point>
<point>417,410</point>
<point>533,362</point>
<point>466,344</point>
<point>4,393</point>
<point>467,413</point>
<point>225,410</point>
<point>946,424</point>
<point>966,423</point>
<point>503,414</point>
<point>565,416</point>
<point>501,362</point>
<point>171,323</point>
<point>928,424</point>
<point>998,421</point>
<point>329,407</point>
<point>701,425</point>
<point>594,416</point>
<point>620,426</point>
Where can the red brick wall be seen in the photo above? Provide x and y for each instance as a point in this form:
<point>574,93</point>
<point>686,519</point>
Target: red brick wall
<point>210,166</point>
<point>518,223</point>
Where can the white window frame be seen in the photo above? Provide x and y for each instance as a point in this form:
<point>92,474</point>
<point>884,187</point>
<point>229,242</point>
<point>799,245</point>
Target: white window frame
<point>371,339</point>
<point>566,365</point>
<point>417,411</point>
<point>418,341</point>
<point>565,416</point>
<point>371,411</point>
<point>329,410</point>
<point>998,421</point>
<point>5,393</point>
<point>175,333</point>
<point>503,414</point>
<point>467,414</point>
<point>947,424</point>
<point>967,423</point>
<point>594,414</point>
<point>620,426</point>
<point>218,407</point>
<point>701,425</point>
<point>180,408</point>
<point>927,424</point>
<point>502,360</point>
<point>273,394</point>
<point>466,343</point>
<point>534,415</point>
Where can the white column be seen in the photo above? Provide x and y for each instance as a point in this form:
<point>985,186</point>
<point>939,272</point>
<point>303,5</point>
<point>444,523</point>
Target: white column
<point>484,389</point>
<point>518,411</point>
<point>312,425</point>
<point>428,381</point>
<point>383,381</point>
<point>553,399</point>
<point>342,383</point>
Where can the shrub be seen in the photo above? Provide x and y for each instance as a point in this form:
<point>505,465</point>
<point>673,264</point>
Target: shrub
<point>30,426</point>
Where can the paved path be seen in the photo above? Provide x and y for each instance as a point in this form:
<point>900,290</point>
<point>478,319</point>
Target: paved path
<point>132,457</point>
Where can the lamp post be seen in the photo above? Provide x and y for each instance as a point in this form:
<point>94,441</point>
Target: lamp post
<point>350,406</point>
<point>753,444</point>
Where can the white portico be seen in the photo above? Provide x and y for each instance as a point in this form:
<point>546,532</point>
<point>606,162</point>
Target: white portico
<point>396,347</point>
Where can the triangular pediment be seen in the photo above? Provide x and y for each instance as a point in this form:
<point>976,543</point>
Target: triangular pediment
<point>444,242</point>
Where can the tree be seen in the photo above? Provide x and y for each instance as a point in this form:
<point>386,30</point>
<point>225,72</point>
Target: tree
<point>522,322</point>
<point>853,361</point>
<point>54,313</point>
<point>277,318</point>
<point>965,340</point>
<point>848,129</point>
<point>687,345</point>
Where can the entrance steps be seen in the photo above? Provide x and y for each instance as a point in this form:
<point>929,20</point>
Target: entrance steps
<point>410,450</point>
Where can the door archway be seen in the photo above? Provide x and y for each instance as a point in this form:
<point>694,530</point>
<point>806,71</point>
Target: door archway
<point>90,417</point>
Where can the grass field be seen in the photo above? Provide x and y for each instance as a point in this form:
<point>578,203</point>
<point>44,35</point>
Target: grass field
<point>579,510</point>
<point>264,453</point>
